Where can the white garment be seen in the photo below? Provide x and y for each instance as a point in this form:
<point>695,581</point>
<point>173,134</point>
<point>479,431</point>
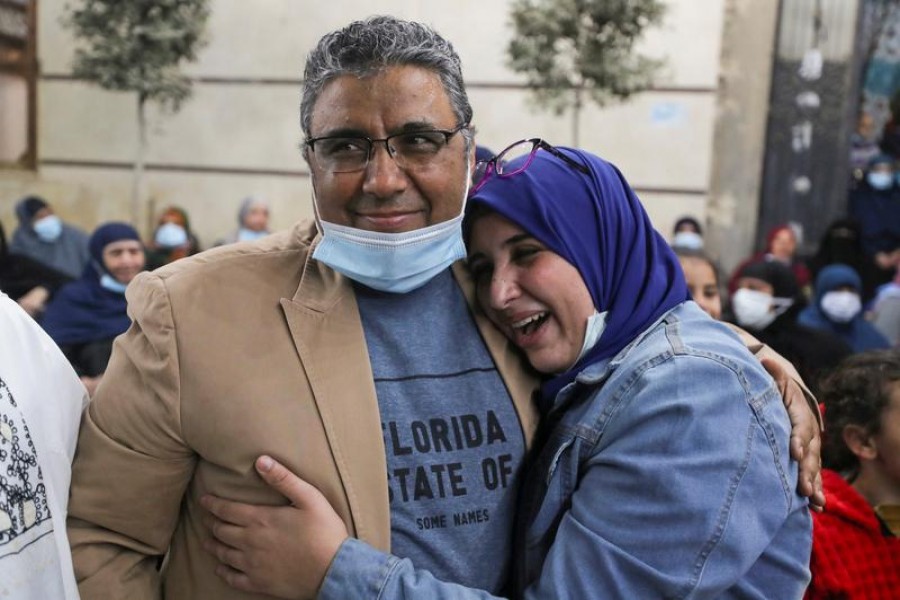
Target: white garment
<point>41,400</point>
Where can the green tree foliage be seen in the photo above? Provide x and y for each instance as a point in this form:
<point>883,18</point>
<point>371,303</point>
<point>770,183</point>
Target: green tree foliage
<point>569,47</point>
<point>138,45</point>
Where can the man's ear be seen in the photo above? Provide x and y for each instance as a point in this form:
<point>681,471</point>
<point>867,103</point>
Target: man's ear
<point>860,442</point>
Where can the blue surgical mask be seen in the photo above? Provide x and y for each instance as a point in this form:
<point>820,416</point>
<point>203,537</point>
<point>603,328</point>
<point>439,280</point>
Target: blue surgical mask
<point>171,235</point>
<point>108,282</point>
<point>690,240</point>
<point>48,229</point>
<point>391,262</point>
<point>248,235</point>
<point>880,180</point>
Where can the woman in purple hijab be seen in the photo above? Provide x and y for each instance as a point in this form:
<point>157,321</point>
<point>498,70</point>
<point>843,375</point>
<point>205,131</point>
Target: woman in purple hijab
<point>661,468</point>
<point>661,432</point>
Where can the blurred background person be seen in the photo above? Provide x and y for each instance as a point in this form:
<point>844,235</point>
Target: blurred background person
<point>253,222</point>
<point>875,204</point>
<point>856,548</point>
<point>86,315</point>
<point>28,282</point>
<point>41,401</point>
<point>863,145</point>
<point>172,239</point>
<point>766,303</point>
<point>890,132</point>
<point>42,236</point>
<point>687,234</point>
<point>702,279</point>
<point>781,246</point>
<point>842,244</point>
<point>837,309</point>
<point>886,310</point>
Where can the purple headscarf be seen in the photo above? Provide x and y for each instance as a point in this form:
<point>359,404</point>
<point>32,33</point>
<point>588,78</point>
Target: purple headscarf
<point>597,224</point>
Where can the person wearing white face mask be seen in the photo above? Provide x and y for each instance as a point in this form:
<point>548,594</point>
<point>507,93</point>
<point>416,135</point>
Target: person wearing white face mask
<point>253,222</point>
<point>837,309</point>
<point>687,234</point>
<point>42,236</point>
<point>766,303</point>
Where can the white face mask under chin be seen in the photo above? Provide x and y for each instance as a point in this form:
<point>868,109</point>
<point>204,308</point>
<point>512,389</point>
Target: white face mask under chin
<point>596,324</point>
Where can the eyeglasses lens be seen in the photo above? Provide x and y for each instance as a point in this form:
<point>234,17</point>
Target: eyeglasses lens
<point>514,159</point>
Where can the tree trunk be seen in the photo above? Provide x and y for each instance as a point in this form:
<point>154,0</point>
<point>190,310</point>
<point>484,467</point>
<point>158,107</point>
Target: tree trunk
<point>576,118</point>
<point>137,203</point>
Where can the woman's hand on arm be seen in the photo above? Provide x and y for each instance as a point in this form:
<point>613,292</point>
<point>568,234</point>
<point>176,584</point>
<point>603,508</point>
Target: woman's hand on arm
<point>806,437</point>
<point>287,551</point>
<point>283,551</point>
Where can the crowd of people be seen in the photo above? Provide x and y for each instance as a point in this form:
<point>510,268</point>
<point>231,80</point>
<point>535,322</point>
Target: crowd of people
<point>73,284</point>
<point>464,379</point>
<point>818,310</point>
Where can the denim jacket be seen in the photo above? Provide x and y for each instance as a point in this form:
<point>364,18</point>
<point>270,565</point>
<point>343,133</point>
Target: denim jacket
<point>664,473</point>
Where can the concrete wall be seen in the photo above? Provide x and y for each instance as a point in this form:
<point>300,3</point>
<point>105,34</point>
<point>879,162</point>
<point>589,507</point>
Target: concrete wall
<point>239,134</point>
<point>740,128</point>
<point>13,107</point>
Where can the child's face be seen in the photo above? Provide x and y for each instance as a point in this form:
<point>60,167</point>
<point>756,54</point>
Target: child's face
<point>887,440</point>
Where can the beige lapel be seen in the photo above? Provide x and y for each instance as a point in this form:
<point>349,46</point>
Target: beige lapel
<point>327,331</point>
<point>520,381</point>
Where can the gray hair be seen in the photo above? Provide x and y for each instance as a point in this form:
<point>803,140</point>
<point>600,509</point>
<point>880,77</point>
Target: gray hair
<point>362,48</point>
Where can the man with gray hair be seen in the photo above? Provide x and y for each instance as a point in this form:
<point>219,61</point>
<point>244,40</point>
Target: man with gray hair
<point>346,348</point>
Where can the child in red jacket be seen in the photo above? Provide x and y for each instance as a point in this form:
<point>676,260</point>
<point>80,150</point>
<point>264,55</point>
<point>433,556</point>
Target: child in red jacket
<point>856,548</point>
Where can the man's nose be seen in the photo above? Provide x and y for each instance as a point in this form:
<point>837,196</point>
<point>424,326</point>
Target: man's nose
<point>384,178</point>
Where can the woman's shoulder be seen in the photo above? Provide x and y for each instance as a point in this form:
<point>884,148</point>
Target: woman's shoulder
<point>686,343</point>
<point>685,368</point>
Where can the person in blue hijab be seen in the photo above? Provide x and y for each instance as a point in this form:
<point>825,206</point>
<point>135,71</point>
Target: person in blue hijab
<point>86,315</point>
<point>660,411</point>
<point>837,309</point>
<point>661,468</point>
<point>875,204</point>
<point>43,237</point>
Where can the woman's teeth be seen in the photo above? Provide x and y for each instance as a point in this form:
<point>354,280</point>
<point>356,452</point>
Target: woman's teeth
<point>529,324</point>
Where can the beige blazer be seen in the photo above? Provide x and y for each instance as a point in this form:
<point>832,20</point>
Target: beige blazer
<point>243,350</point>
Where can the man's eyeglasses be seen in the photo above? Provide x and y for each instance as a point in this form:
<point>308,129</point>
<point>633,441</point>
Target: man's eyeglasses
<point>499,164</point>
<point>410,149</point>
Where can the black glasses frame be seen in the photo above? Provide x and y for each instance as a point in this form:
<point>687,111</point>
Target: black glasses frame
<point>447,133</point>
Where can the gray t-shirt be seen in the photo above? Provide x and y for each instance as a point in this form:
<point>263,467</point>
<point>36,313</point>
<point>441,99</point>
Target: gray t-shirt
<point>453,440</point>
